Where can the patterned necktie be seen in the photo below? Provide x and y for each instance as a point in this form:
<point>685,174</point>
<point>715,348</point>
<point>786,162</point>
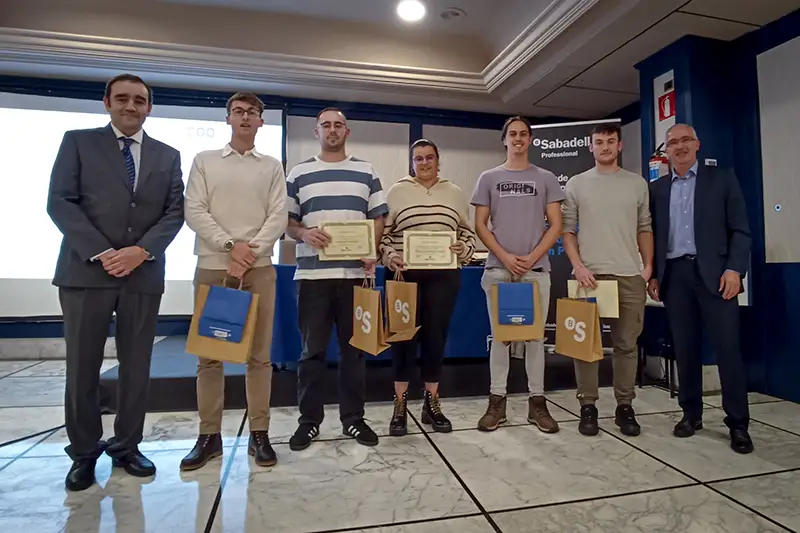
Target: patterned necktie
<point>130,166</point>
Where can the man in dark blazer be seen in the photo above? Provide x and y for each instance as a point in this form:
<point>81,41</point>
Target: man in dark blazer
<point>117,197</point>
<point>702,249</point>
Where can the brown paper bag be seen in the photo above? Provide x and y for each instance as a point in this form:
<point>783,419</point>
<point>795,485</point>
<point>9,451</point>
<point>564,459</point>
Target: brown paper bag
<point>401,304</point>
<point>369,333</point>
<point>512,333</point>
<point>578,333</point>
<point>219,350</point>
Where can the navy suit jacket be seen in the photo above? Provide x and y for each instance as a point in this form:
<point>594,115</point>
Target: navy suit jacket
<point>721,229</point>
<point>91,201</point>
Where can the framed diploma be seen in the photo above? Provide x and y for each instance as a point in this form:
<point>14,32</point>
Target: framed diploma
<point>429,249</point>
<point>351,240</point>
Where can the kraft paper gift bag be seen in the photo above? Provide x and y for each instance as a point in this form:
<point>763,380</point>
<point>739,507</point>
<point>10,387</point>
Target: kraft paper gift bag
<point>369,333</point>
<point>578,333</point>
<point>401,308</point>
<point>606,294</point>
<point>221,329</point>
<point>517,332</point>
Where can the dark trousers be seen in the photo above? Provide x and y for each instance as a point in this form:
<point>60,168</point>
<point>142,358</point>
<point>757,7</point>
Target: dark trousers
<point>691,309</point>
<point>437,291</point>
<point>322,304</point>
<point>87,316</point>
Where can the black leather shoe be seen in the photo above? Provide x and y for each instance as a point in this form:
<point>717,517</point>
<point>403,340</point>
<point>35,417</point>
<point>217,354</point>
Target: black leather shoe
<point>135,464</point>
<point>686,427</point>
<point>588,425</point>
<point>81,475</point>
<point>741,442</point>
<point>261,450</point>
<point>206,448</point>
<point>432,414</point>
<point>398,425</point>
<point>625,419</point>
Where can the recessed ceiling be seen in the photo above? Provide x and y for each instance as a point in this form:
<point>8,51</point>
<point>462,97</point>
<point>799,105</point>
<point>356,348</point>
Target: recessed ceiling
<point>479,13</point>
<point>757,12</point>
<point>618,73</point>
<point>566,58</point>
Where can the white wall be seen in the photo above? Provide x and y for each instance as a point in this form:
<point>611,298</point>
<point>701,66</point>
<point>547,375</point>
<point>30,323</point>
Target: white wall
<point>465,153</point>
<point>632,147</point>
<point>661,126</point>
<point>779,101</point>
<point>383,144</point>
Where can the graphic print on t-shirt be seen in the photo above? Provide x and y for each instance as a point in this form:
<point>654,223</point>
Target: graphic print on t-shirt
<point>516,188</point>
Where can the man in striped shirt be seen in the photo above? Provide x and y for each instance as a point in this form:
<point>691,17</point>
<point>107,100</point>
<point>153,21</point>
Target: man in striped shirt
<point>330,187</point>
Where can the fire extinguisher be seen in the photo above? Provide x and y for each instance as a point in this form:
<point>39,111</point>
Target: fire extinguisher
<point>659,164</point>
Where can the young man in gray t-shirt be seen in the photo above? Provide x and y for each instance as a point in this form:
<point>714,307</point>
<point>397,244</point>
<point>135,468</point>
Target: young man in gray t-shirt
<point>518,197</point>
<point>608,236</point>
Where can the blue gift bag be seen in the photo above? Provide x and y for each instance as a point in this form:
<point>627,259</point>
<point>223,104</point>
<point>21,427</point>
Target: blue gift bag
<point>225,314</point>
<point>515,304</point>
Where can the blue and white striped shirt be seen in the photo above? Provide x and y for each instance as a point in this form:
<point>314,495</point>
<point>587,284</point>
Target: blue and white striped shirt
<point>330,192</point>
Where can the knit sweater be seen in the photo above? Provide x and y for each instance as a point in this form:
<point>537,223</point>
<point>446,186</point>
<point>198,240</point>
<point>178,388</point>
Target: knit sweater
<point>235,196</point>
<point>413,206</point>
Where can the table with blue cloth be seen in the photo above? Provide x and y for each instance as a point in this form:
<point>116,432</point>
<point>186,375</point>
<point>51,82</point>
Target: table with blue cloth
<point>469,328</point>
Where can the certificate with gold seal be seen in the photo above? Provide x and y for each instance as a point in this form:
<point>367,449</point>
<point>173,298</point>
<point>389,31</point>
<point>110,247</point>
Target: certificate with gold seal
<point>351,240</point>
<point>429,249</point>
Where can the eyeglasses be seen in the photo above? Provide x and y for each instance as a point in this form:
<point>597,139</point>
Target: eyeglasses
<point>683,140</point>
<point>240,112</point>
<point>427,159</point>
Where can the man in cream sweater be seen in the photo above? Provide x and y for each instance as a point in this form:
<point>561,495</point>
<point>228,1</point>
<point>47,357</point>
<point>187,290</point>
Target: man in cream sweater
<point>236,203</point>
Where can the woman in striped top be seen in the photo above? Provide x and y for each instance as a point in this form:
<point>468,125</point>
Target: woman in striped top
<point>423,201</point>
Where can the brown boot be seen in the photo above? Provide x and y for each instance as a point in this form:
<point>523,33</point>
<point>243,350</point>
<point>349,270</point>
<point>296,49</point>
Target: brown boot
<point>495,414</point>
<point>540,416</point>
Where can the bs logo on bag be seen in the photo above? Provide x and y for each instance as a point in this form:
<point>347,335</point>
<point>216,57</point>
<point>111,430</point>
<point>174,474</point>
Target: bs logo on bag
<point>578,327</point>
<point>401,308</point>
<point>365,318</point>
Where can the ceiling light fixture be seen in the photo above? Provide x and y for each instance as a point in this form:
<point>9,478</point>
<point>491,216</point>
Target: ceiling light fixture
<point>411,10</point>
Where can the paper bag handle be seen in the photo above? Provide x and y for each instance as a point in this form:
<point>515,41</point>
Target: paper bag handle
<point>225,282</point>
<point>368,283</point>
<point>585,293</point>
<point>398,275</point>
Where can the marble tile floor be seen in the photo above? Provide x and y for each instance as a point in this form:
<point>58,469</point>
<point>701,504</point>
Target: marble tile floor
<point>514,480</point>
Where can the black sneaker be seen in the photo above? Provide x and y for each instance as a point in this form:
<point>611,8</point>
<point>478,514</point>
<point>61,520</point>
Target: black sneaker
<point>398,426</point>
<point>303,436</point>
<point>362,433</point>
<point>626,420</point>
<point>588,425</point>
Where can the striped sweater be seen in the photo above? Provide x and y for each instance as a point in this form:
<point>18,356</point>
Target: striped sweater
<point>319,192</point>
<point>412,206</point>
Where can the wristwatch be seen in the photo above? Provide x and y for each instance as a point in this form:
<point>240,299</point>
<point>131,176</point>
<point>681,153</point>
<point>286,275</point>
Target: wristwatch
<point>229,245</point>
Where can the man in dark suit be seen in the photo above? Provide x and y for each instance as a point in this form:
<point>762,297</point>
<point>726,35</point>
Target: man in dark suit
<point>117,197</point>
<point>702,248</point>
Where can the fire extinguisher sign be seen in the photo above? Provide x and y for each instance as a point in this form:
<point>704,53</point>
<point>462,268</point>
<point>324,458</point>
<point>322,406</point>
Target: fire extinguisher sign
<point>666,106</point>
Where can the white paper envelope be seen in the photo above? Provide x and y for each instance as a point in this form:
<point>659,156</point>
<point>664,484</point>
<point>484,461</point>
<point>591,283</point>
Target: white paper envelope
<point>607,294</point>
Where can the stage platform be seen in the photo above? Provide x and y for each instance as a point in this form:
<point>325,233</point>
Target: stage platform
<point>173,378</point>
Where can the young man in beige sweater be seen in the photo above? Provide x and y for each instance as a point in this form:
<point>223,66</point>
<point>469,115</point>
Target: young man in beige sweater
<point>236,203</point>
<point>608,236</point>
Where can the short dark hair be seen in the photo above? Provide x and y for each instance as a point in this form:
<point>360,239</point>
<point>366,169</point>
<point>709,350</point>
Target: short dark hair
<point>128,77</point>
<point>421,143</point>
<point>331,109</point>
<point>250,98</point>
<point>510,121</point>
<point>608,128</point>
